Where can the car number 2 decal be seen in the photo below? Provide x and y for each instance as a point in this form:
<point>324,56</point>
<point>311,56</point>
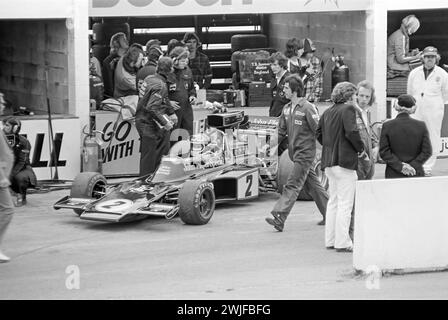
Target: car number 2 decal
<point>248,186</point>
<point>249,180</point>
<point>114,205</point>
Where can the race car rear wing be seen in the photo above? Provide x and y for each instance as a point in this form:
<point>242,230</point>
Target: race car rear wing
<point>72,203</point>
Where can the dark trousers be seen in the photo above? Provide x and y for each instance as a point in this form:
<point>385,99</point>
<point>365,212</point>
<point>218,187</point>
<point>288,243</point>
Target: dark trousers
<point>301,176</point>
<point>23,181</point>
<point>185,119</point>
<point>152,149</point>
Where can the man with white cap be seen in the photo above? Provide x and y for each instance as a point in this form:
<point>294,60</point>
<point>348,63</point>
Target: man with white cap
<point>428,84</point>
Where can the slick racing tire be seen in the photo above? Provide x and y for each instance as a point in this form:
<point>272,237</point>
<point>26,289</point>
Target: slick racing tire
<point>88,185</point>
<point>284,168</point>
<point>196,202</point>
<point>247,41</point>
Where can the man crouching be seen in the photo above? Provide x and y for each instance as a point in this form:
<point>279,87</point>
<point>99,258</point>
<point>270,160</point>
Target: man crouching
<point>22,175</point>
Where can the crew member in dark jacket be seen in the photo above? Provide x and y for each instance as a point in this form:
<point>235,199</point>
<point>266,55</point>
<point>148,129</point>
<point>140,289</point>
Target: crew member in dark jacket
<point>279,67</point>
<point>341,146</point>
<point>155,117</point>
<point>22,175</point>
<point>404,142</point>
<point>299,122</point>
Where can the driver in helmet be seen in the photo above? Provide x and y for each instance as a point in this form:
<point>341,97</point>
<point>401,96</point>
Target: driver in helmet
<point>22,175</point>
<point>204,147</point>
<point>199,145</point>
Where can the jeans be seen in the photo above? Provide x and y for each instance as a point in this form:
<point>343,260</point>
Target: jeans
<point>342,184</point>
<point>6,211</point>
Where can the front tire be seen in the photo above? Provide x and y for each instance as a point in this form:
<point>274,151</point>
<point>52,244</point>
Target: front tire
<point>88,185</point>
<point>196,202</point>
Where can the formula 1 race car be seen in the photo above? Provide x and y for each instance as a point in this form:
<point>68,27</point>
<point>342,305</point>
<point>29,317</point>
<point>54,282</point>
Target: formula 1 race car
<point>230,160</point>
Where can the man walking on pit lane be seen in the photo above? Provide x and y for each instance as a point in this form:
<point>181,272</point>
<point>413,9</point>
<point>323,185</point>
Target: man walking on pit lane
<point>298,122</point>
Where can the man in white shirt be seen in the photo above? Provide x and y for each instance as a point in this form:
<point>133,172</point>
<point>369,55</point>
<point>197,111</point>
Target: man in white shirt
<point>428,84</point>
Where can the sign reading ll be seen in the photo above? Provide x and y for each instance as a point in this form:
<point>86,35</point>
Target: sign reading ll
<point>171,3</point>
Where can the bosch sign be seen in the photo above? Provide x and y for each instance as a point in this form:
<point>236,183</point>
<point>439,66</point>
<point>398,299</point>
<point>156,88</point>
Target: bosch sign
<point>170,3</point>
<point>126,8</point>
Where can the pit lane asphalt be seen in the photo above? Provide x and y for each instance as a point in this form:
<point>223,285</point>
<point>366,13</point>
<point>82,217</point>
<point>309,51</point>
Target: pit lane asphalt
<point>236,256</point>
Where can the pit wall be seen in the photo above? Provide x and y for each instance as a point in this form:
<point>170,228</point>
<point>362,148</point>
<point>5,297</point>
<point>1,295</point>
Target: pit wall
<point>400,224</point>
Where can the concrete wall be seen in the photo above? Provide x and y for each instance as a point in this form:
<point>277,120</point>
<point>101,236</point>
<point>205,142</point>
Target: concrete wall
<point>29,48</point>
<point>401,224</point>
<point>343,31</point>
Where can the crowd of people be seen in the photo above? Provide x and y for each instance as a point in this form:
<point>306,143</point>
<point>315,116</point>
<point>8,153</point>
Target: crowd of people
<point>408,144</point>
<point>165,83</point>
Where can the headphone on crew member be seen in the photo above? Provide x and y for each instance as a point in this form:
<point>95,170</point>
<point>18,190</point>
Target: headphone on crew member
<point>15,124</point>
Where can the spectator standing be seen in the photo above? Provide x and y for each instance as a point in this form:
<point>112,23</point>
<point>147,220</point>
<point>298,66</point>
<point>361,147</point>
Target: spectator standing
<point>22,175</point>
<point>184,93</point>
<point>125,83</point>
<point>311,72</point>
<point>198,62</point>
<point>298,122</point>
<point>398,54</point>
<point>6,164</point>
<point>405,144</point>
<point>294,49</point>
<point>153,52</point>
<point>279,66</point>
<point>341,146</point>
<point>365,98</point>
<point>173,43</point>
<point>118,46</point>
<point>428,84</point>
<point>155,117</point>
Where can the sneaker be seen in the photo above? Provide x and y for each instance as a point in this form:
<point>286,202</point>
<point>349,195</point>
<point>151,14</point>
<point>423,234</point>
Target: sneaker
<point>321,223</point>
<point>277,224</point>
<point>278,221</point>
<point>3,258</point>
<point>19,202</point>
<point>428,173</point>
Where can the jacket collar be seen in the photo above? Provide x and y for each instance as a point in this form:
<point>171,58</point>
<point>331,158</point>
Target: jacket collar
<point>403,115</point>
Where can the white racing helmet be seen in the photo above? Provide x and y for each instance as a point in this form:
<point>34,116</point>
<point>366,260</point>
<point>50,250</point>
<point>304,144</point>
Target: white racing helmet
<point>199,143</point>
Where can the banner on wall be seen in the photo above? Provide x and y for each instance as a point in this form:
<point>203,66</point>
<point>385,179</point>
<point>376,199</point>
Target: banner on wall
<point>120,151</point>
<point>117,8</point>
<point>67,147</point>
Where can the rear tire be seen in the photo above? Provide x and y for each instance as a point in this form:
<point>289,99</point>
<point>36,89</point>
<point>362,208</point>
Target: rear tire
<point>196,202</point>
<point>88,185</point>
